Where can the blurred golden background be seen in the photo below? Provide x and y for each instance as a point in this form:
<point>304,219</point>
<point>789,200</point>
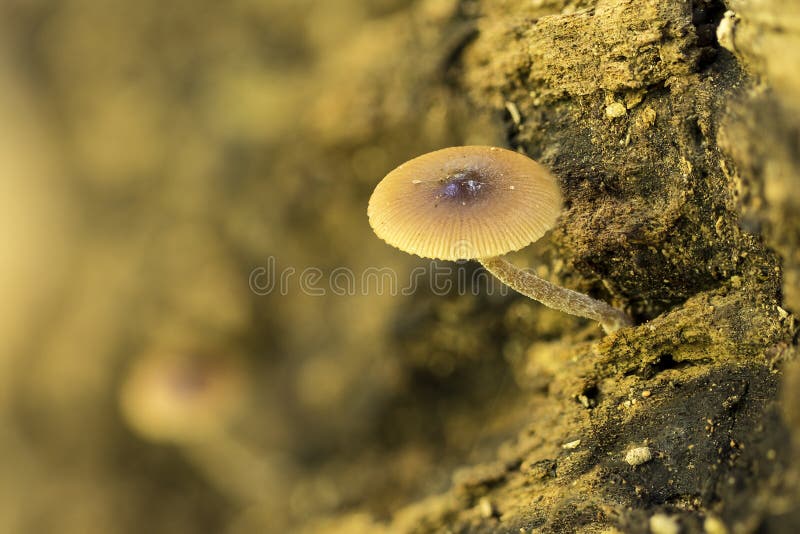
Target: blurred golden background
<point>152,155</point>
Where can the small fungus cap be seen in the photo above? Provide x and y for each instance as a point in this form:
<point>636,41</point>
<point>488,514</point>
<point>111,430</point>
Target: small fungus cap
<point>181,396</point>
<point>465,202</point>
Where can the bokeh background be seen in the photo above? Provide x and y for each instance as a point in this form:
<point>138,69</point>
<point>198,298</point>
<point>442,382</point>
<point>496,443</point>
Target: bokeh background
<point>152,155</point>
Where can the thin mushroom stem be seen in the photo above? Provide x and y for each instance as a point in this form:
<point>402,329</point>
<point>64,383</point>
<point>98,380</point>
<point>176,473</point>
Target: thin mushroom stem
<point>554,296</point>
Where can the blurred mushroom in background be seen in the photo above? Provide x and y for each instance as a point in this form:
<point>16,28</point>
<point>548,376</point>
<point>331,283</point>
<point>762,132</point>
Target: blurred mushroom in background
<point>183,396</point>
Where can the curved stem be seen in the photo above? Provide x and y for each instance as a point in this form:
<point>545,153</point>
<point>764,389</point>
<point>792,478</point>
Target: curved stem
<point>554,296</point>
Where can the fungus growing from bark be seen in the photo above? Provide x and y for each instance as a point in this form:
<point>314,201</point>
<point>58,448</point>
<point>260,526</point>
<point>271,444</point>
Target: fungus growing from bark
<point>181,396</point>
<point>479,203</point>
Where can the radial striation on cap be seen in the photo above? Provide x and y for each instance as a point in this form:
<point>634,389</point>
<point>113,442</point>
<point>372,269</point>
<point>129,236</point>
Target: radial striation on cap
<point>465,203</point>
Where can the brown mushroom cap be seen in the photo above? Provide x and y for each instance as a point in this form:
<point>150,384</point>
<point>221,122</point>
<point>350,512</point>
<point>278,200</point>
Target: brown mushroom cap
<point>465,202</point>
<point>182,395</point>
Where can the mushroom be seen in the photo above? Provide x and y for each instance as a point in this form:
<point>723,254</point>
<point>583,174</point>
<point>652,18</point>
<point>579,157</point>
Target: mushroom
<point>183,395</point>
<point>479,203</point>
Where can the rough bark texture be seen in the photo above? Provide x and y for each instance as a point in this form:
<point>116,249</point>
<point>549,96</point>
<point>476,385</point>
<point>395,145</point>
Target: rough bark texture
<point>668,146</point>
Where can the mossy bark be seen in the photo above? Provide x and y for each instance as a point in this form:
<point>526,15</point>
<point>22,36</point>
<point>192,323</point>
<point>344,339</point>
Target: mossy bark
<point>669,143</point>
